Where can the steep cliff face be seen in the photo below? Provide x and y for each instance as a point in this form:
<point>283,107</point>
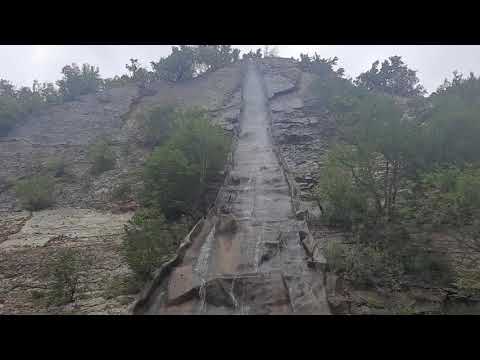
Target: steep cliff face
<point>87,218</point>
<point>251,254</point>
<point>84,215</point>
<point>300,130</point>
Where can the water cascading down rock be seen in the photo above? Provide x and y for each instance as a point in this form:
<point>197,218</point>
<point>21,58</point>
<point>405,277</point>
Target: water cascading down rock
<point>247,256</point>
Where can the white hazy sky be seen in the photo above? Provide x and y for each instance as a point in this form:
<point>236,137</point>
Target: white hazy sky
<point>21,64</point>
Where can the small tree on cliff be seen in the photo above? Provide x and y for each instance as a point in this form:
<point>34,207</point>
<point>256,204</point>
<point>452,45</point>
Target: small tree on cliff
<point>180,65</point>
<point>177,172</point>
<point>76,81</point>
<point>394,78</point>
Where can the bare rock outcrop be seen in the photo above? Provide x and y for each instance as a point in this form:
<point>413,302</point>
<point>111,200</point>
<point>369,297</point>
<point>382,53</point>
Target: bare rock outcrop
<point>85,216</point>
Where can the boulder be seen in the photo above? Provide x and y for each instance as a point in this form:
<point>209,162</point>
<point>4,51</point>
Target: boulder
<point>181,285</point>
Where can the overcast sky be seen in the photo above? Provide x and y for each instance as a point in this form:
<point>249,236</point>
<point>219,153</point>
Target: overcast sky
<point>21,64</point>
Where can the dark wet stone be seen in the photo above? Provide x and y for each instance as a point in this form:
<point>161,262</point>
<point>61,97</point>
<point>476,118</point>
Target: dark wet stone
<point>218,292</point>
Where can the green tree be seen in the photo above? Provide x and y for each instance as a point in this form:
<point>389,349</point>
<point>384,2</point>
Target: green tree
<point>213,57</point>
<point>76,81</point>
<point>253,55</point>
<point>450,126</point>
<point>101,156</point>
<point>378,148</point>
<point>139,74</point>
<point>180,65</point>
<point>319,66</point>
<point>394,77</point>
<point>150,241</point>
<point>159,123</point>
<point>64,270</point>
<point>36,193</point>
<point>116,81</point>
<point>7,88</point>
<point>31,101</point>
<point>177,173</point>
<point>10,113</point>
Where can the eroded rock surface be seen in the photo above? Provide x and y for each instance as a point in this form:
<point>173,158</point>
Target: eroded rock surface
<point>25,250</point>
<point>85,214</point>
<point>230,269</point>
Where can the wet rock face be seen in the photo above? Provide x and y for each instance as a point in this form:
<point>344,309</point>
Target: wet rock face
<point>301,132</point>
<point>250,261</point>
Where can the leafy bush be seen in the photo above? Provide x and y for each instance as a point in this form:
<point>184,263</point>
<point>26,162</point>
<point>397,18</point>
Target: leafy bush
<point>319,66</point>
<point>121,285</point>
<point>64,271</point>
<point>214,57</point>
<point>450,133</point>
<point>15,105</point>
<point>335,253</point>
<point>178,66</point>
<point>468,280</point>
<point>159,123</point>
<point>186,62</point>
<point>10,114</point>
<point>30,102</point>
<point>170,183</point>
<point>385,254</point>
<point>176,174</point>
<point>76,81</point>
<point>36,193</point>
<point>430,268</point>
<point>342,202</point>
<point>101,157</point>
<point>449,196</point>
<point>394,78</point>
<point>139,74</point>
<point>116,81</point>
<point>253,55</point>
<point>368,265</point>
<point>150,241</point>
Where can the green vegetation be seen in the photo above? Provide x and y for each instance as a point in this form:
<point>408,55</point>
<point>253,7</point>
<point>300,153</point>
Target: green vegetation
<point>10,113</point>
<point>396,173</point>
<point>190,152</point>
<point>178,171</point>
<point>150,241</point>
<point>36,192</point>
<point>16,105</point>
<point>214,57</point>
<point>394,78</point>
<point>158,123</point>
<point>184,63</point>
<point>121,285</point>
<point>101,156</point>
<point>319,66</point>
<point>253,55</point>
<point>64,270</point>
<point>76,81</point>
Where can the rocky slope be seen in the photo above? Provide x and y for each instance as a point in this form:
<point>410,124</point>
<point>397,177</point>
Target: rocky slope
<point>85,216</point>
<point>251,254</point>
